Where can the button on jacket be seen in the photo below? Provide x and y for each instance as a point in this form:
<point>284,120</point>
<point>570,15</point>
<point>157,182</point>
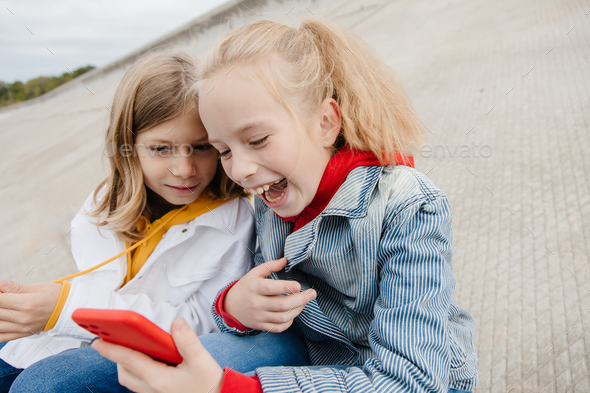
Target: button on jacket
<point>379,257</point>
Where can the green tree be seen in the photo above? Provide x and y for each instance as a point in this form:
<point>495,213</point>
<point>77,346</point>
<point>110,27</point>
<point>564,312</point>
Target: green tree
<point>11,93</point>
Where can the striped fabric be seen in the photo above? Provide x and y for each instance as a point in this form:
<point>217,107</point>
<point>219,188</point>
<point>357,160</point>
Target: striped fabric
<point>379,257</point>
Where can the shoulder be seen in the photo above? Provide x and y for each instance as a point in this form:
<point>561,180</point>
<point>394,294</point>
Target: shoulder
<point>89,203</point>
<point>406,192</point>
<point>231,215</point>
<point>408,183</point>
<point>83,218</point>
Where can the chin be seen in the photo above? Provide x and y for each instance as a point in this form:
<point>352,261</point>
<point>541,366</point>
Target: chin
<point>287,212</point>
<point>182,200</point>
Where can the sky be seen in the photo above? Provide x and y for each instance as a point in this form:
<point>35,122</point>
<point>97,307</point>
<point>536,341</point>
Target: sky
<point>48,37</point>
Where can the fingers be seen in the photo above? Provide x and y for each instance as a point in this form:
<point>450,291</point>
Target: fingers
<point>12,287</point>
<point>287,308</point>
<point>276,327</point>
<point>135,369</point>
<point>11,327</point>
<point>8,314</point>
<point>9,303</point>
<point>130,381</point>
<point>188,344</point>
<point>197,363</point>
<point>6,286</point>
<point>30,308</point>
<point>278,318</point>
<point>286,303</point>
<point>4,337</point>
<point>267,268</point>
<point>139,364</point>
<point>276,287</point>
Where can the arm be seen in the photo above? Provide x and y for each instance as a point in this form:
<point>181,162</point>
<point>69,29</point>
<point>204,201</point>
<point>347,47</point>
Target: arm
<point>25,308</point>
<point>181,282</point>
<point>198,372</point>
<point>257,302</point>
<point>163,293</point>
<point>229,325</point>
<point>408,332</point>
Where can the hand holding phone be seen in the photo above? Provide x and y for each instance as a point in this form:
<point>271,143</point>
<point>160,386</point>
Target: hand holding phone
<point>130,329</point>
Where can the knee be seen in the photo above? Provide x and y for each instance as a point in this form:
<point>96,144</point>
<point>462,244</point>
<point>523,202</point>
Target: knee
<point>39,379</point>
<point>71,371</point>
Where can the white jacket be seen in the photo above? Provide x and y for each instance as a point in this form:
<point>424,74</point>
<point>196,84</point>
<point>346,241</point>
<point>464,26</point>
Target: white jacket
<point>181,277</point>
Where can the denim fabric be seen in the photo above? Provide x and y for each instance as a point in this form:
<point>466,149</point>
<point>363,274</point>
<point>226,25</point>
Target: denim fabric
<point>74,370</point>
<point>380,258</point>
<point>84,370</point>
<point>7,374</point>
<point>247,353</point>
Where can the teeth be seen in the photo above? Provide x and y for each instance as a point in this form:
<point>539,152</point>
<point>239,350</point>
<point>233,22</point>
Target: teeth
<point>260,190</point>
<point>277,198</point>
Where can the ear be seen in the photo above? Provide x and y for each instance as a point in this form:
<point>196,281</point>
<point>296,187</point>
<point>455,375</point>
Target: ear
<point>330,122</point>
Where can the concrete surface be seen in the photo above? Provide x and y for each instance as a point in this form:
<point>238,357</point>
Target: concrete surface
<point>506,81</point>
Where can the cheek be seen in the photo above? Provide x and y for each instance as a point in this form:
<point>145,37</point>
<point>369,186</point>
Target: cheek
<point>148,168</point>
<point>226,164</point>
<point>208,165</point>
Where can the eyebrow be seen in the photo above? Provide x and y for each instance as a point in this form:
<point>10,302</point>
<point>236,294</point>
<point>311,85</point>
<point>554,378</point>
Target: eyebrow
<point>163,141</point>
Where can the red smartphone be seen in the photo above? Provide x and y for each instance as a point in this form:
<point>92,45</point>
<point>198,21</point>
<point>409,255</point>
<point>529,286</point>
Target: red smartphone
<point>130,329</point>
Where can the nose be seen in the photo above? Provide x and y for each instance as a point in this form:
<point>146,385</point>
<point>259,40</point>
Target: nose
<point>185,167</point>
<point>242,166</point>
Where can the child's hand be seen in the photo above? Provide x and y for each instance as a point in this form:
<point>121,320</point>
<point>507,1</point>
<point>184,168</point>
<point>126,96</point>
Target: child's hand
<point>198,372</point>
<point>259,303</point>
<point>25,308</point>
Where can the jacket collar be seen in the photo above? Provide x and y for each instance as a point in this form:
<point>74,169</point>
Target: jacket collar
<point>352,198</point>
<point>351,201</point>
<point>337,170</point>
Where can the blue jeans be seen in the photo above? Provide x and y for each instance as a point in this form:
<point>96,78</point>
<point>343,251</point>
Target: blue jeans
<point>84,370</point>
<point>7,374</point>
<point>75,369</point>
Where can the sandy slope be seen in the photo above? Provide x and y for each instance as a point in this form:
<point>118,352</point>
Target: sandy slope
<point>511,75</point>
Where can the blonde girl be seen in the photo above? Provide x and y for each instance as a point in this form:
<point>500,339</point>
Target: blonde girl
<point>360,242</point>
<point>170,226</point>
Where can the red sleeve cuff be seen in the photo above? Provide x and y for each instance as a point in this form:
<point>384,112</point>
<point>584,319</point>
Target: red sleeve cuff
<point>234,381</point>
<point>231,321</point>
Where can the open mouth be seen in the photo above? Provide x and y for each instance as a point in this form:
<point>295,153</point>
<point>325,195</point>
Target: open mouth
<point>272,192</point>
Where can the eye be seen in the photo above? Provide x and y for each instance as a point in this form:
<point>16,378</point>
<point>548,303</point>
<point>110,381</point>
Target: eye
<point>202,147</point>
<point>160,148</point>
<point>259,142</point>
<point>225,154</point>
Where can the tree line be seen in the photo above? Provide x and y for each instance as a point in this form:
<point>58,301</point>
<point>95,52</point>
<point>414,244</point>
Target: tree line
<point>11,93</point>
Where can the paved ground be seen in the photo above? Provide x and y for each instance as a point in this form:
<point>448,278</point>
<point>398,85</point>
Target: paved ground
<point>502,88</point>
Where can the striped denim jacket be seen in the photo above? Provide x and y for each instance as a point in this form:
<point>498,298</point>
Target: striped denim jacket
<point>379,257</point>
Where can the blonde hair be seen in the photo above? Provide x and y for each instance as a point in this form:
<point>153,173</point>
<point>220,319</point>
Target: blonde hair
<point>323,61</point>
<point>155,89</point>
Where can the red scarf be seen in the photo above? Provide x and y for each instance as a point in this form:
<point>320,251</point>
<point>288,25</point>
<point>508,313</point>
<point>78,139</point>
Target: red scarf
<point>338,168</point>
